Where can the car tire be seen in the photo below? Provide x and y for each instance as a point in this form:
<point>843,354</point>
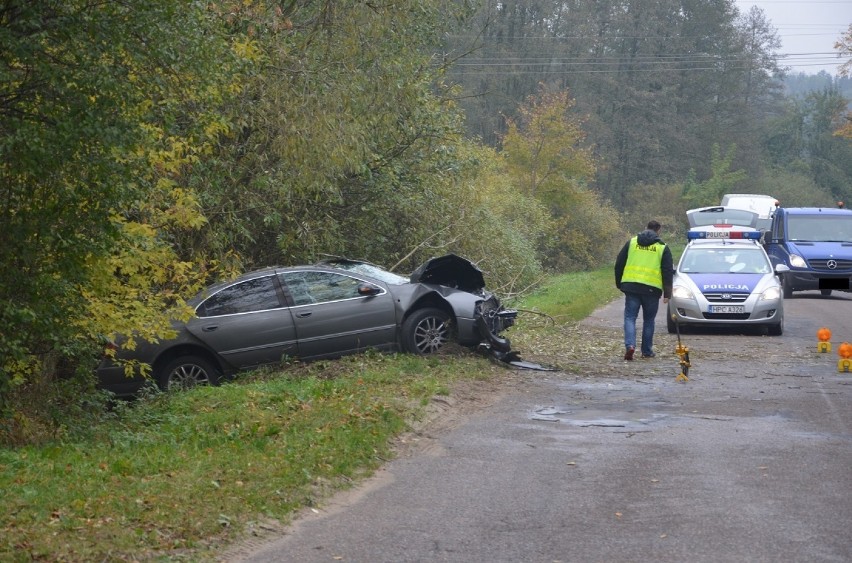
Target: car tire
<point>670,324</point>
<point>187,371</point>
<point>785,286</point>
<point>825,292</point>
<point>776,329</point>
<point>426,331</point>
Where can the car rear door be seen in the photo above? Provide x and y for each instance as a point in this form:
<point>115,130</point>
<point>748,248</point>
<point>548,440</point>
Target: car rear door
<point>333,317</point>
<point>247,323</point>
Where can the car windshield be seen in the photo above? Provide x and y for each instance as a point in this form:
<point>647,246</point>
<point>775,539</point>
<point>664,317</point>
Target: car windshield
<point>370,270</point>
<point>725,260</point>
<point>820,228</point>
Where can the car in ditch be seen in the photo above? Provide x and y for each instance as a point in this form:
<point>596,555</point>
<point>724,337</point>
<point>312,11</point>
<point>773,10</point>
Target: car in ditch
<point>326,310</point>
<point>726,281</point>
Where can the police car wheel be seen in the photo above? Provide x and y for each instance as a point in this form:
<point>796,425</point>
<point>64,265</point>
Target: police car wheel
<point>788,291</point>
<point>776,329</point>
<point>825,292</point>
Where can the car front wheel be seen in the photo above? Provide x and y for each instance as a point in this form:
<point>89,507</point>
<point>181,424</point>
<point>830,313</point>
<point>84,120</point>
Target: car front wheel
<point>426,331</point>
<point>777,329</point>
<point>187,371</point>
<point>788,289</point>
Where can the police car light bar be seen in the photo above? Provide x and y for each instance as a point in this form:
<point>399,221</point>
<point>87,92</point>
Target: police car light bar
<point>752,235</point>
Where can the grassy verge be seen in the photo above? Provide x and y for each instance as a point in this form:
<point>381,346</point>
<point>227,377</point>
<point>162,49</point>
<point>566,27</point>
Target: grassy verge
<point>176,476</point>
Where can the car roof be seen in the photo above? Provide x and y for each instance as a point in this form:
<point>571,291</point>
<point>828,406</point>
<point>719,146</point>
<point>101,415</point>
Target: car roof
<point>812,210</point>
<point>723,243</point>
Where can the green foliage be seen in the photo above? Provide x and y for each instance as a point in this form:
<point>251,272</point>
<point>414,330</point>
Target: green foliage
<point>105,108</point>
<point>179,474</point>
<point>546,160</point>
<point>659,81</point>
<point>342,145</point>
<point>663,203</point>
<point>794,189</point>
<point>721,181</point>
<point>803,140</point>
<point>574,296</point>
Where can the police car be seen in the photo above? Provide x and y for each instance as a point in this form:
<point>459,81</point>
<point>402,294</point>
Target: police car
<point>725,278</point>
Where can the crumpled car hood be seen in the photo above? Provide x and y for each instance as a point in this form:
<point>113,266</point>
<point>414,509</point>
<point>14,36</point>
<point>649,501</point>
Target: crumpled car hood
<point>451,271</point>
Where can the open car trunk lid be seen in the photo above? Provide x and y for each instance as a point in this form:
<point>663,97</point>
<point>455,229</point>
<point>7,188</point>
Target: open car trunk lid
<point>451,271</point>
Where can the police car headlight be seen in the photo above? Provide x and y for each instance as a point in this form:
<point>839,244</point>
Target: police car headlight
<point>797,261</point>
<point>681,292</point>
<point>772,293</point>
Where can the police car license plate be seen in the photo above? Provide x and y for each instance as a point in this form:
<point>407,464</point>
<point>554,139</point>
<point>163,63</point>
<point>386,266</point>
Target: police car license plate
<point>727,308</point>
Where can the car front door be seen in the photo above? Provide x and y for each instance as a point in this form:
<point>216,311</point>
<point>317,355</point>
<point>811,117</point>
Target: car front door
<point>334,316</point>
<point>247,323</point>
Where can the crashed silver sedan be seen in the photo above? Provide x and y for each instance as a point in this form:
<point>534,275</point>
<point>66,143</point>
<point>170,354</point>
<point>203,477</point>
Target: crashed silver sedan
<point>326,310</point>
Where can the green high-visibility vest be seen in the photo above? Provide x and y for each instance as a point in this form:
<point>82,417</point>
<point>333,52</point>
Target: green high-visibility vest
<point>643,264</point>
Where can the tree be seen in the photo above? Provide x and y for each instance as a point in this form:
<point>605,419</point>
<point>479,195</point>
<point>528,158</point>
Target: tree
<point>103,109</point>
<point>659,81</point>
<point>721,181</point>
<point>844,47</point>
<point>348,141</point>
<point>546,159</point>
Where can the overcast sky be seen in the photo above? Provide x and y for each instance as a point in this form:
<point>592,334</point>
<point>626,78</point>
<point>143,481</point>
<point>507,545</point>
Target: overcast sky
<point>808,30</point>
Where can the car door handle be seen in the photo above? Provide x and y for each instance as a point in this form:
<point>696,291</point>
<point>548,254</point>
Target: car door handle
<point>210,328</point>
<point>304,314</point>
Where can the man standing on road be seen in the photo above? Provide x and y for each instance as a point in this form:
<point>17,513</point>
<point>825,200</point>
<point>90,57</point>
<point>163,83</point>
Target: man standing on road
<point>643,272</point>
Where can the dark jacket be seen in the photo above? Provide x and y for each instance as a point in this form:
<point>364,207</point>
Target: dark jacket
<point>646,238</point>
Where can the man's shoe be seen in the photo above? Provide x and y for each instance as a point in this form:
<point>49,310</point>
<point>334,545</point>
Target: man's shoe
<point>629,354</point>
<point>648,356</point>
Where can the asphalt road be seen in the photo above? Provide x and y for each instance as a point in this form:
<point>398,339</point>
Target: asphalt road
<point>750,460</point>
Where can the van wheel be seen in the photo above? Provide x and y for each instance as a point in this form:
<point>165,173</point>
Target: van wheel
<point>825,292</point>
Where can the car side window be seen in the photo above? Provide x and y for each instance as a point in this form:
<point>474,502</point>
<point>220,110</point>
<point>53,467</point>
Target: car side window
<point>320,287</point>
<point>257,294</point>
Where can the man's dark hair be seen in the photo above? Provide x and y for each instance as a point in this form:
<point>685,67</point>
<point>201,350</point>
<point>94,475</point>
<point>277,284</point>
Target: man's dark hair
<point>654,225</point>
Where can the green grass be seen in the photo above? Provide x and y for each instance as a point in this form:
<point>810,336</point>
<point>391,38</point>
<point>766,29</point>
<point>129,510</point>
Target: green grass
<point>179,476</point>
<point>572,297</point>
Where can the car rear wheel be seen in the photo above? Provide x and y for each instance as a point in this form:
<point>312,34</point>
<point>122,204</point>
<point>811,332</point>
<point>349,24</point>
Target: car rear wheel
<point>426,331</point>
<point>187,371</point>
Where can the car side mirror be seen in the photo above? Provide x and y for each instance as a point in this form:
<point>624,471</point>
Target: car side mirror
<point>367,289</point>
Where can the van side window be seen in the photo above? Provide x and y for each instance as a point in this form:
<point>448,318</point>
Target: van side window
<point>779,230</point>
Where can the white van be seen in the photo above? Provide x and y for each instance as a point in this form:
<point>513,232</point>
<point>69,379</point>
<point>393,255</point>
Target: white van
<point>763,205</point>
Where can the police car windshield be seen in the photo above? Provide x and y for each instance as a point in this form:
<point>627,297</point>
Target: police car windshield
<point>733,260</point>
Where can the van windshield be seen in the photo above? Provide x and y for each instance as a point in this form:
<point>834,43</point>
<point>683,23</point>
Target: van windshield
<point>822,228</point>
